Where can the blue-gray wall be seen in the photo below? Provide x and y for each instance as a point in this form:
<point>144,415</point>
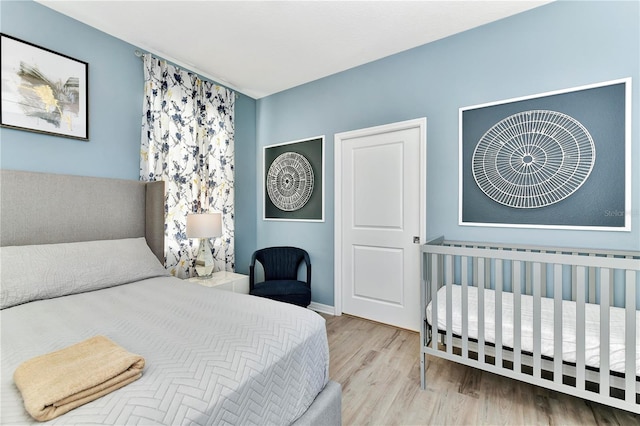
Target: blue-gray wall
<point>115,99</point>
<point>556,46</point>
<point>115,108</point>
<point>245,207</point>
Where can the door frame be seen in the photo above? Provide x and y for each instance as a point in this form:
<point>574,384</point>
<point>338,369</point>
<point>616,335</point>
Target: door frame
<point>420,123</point>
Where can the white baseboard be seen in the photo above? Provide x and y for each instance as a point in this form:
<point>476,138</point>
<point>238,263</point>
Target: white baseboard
<point>324,309</point>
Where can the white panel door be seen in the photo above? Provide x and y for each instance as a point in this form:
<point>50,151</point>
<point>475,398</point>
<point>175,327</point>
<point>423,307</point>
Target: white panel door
<point>380,219</point>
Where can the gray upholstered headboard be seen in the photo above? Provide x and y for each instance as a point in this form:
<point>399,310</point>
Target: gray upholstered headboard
<point>44,208</point>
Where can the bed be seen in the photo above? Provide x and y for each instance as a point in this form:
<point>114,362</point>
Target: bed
<point>81,257</point>
<point>578,328</point>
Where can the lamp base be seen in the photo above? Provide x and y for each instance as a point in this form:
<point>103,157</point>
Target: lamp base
<point>204,261</point>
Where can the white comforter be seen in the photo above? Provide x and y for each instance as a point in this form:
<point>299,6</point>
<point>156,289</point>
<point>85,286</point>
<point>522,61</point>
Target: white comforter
<point>592,325</point>
<point>212,357</point>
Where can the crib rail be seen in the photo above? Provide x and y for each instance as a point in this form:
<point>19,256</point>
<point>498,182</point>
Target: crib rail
<point>609,254</point>
<point>604,283</point>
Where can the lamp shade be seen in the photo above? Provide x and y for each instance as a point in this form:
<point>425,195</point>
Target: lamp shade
<point>204,225</point>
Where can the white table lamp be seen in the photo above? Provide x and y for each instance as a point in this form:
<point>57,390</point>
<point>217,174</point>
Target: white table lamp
<point>204,226</point>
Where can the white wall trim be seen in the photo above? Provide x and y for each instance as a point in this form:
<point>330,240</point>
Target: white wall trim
<point>323,309</point>
<point>421,123</point>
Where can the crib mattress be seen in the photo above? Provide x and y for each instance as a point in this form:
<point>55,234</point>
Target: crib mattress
<point>592,325</point>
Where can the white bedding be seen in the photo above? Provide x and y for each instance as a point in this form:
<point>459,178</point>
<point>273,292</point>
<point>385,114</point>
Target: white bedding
<point>592,325</point>
<point>212,357</point>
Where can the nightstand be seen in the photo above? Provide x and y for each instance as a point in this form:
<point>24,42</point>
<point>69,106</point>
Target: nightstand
<point>224,280</point>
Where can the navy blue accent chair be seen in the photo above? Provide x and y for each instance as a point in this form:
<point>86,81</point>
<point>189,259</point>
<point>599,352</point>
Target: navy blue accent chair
<point>280,265</point>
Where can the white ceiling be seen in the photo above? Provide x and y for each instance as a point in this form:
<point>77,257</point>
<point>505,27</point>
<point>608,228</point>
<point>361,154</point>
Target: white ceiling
<point>262,47</point>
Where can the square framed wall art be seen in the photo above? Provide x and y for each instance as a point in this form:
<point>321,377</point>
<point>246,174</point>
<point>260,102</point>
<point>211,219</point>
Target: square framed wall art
<point>557,160</point>
<point>293,180</point>
<point>43,91</point>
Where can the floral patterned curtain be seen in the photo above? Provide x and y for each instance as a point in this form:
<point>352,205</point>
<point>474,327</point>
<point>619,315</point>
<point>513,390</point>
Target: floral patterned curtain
<point>188,142</point>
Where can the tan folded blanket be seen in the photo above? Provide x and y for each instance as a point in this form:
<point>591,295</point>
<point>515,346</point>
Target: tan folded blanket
<point>60,381</point>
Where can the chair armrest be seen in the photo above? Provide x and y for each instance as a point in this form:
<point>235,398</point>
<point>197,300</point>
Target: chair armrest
<point>307,261</point>
<point>252,278</point>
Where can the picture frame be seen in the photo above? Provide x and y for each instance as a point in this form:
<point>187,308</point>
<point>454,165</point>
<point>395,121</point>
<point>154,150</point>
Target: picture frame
<point>293,180</point>
<point>554,160</point>
<point>43,91</point>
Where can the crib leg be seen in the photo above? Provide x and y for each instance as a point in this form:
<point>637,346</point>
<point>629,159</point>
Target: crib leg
<point>423,361</point>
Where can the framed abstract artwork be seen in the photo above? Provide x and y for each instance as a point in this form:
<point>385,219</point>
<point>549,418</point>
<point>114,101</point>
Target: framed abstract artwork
<point>293,180</point>
<point>558,160</point>
<point>43,91</point>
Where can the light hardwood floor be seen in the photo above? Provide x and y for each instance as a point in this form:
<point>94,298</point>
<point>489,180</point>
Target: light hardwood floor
<point>378,368</point>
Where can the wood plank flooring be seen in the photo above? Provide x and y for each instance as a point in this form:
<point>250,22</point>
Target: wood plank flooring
<point>378,368</point>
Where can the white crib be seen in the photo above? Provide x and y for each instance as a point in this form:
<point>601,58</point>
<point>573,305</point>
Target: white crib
<point>472,290</point>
